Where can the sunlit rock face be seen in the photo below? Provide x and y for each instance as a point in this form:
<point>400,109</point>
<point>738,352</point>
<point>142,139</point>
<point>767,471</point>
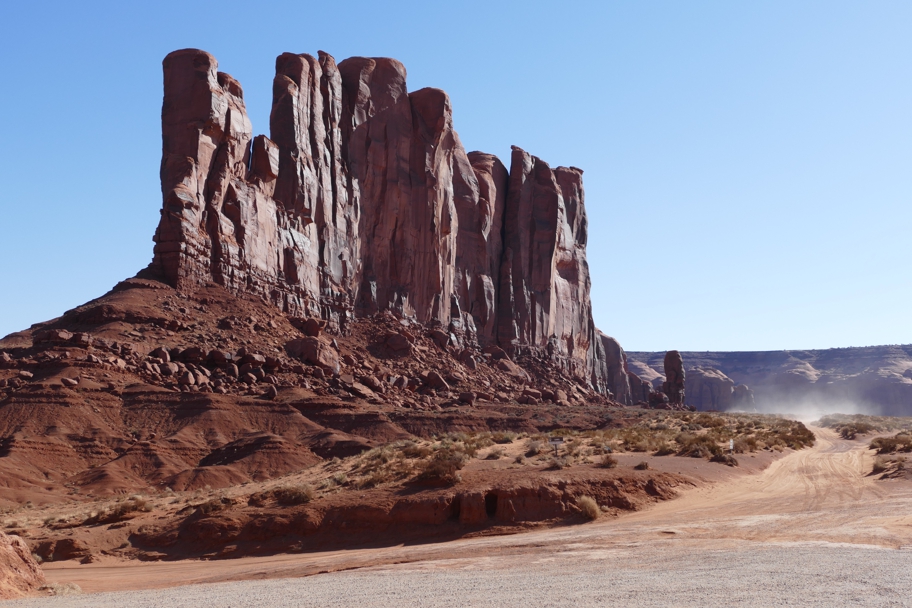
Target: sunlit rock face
<point>363,199</point>
<point>873,379</point>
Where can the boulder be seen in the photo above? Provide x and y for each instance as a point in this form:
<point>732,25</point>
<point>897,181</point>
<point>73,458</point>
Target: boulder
<point>440,338</point>
<point>511,368</point>
<point>54,336</point>
<point>467,397</point>
<point>436,381</point>
<point>398,343</point>
<point>315,352</point>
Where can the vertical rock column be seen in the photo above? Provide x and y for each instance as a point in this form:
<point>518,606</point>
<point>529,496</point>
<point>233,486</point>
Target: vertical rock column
<point>544,280</point>
<point>673,386</point>
<point>320,246</point>
<point>205,146</point>
<point>480,246</point>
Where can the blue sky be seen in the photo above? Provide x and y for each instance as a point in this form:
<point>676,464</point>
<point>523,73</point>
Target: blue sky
<point>748,165</point>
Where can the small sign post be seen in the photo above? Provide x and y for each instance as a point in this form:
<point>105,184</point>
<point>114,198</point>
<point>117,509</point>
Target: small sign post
<point>556,442</point>
<point>731,446</point>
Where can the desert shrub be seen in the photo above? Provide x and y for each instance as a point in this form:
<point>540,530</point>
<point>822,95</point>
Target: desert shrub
<point>608,462</point>
<point>520,459</point>
<point>574,447</point>
<point>495,454</point>
<point>888,445</point>
<point>297,494</point>
<point>120,511</point>
<point>444,465</point>
<point>709,421</point>
<point>558,463</point>
<point>643,466</point>
<point>534,448</point>
<point>214,505</point>
<point>853,429</point>
<point>881,464</point>
<point>413,449</point>
<point>743,445</point>
<point>588,507</point>
<point>697,446</point>
<point>503,437</point>
<point>726,459</point>
<point>665,449</point>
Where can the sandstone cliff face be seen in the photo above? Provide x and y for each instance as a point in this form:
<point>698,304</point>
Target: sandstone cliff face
<point>710,389</point>
<point>619,379</point>
<point>363,199</point>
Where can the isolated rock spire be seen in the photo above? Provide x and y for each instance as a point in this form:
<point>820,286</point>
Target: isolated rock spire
<point>363,199</point>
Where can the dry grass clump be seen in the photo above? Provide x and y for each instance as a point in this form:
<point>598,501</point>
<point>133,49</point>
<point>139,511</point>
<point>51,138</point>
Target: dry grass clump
<point>588,507</point>
<point>891,465</point>
<point>557,463</point>
<point>534,447</point>
<point>850,425</point>
<point>503,437</point>
<point>297,494</point>
<point>608,462</point>
<point>121,510</point>
<point>386,464</point>
<point>697,446</point>
<point>665,449</point>
<point>495,454</point>
<point>444,466</point>
<point>61,589</point>
<point>726,459</point>
<point>643,466</point>
<point>214,505</point>
<point>901,442</point>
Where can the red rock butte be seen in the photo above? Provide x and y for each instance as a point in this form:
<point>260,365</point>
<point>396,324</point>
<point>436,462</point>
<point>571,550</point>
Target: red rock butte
<point>363,199</point>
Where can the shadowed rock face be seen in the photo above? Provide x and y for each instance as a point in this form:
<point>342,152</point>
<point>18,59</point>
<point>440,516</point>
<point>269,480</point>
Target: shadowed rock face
<point>710,389</point>
<point>674,377</point>
<point>618,377</point>
<point>363,199</point>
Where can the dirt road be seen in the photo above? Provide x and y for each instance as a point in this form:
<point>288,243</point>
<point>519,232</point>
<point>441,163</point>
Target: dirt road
<point>812,529</point>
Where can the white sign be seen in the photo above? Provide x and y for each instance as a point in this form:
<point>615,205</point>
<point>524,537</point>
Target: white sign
<point>556,440</point>
<point>731,444</point>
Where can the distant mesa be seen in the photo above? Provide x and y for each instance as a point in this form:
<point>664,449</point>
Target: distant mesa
<point>874,379</point>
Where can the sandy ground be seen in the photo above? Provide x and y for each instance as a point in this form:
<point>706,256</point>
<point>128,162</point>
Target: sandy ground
<point>812,529</point>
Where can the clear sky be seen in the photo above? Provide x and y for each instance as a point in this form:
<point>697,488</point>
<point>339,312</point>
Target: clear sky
<point>748,165</point>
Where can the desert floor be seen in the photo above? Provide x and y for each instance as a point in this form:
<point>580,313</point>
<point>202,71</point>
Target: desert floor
<point>812,529</point>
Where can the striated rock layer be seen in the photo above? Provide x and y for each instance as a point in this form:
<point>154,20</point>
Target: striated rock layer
<point>363,199</point>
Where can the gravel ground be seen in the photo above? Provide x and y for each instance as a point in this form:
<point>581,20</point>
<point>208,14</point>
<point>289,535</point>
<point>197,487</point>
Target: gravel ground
<point>655,573</point>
